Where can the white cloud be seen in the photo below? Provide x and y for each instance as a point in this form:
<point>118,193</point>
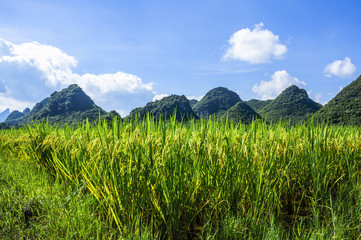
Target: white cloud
<point>340,68</point>
<point>256,46</point>
<point>319,99</point>
<point>196,98</point>
<point>280,80</point>
<point>31,71</point>
<point>13,104</point>
<point>159,96</point>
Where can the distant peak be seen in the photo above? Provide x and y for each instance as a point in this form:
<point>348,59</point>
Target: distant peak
<point>6,111</point>
<point>220,89</point>
<point>74,85</point>
<point>295,90</point>
<point>293,87</point>
<point>26,111</point>
<point>216,101</point>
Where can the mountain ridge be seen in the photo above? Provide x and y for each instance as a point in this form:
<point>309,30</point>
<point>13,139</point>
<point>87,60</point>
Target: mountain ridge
<point>69,106</point>
<point>292,104</point>
<point>345,107</point>
<point>216,102</point>
<point>242,112</point>
<point>166,107</point>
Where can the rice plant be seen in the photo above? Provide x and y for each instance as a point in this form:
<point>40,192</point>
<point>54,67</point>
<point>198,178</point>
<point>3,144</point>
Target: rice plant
<point>207,179</point>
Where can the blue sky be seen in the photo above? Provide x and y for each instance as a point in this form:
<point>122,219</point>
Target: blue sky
<point>126,53</point>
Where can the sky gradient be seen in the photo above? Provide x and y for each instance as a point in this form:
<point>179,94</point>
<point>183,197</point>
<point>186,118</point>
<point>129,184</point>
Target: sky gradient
<point>127,53</point>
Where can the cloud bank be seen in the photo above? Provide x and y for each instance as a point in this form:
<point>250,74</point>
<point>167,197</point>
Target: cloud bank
<point>280,80</point>
<point>159,97</point>
<point>254,46</point>
<point>340,68</point>
<point>195,98</point>
<point>31,71</point>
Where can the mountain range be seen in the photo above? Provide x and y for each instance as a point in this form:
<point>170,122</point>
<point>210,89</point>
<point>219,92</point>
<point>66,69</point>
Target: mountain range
<point>72,106</point>
<point>216,102</point>
<point>292,104</point>
<point>69,106</point>
<point>166,107</point>
<point>345,108</point>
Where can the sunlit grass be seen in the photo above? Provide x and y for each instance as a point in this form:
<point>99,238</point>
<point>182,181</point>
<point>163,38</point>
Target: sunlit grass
<point>207,179</point>
<point>34,205</point>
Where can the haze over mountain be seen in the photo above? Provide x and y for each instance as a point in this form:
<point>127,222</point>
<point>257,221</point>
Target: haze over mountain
<point>14,117</point>
<point>216,102</point>
<point>4,114</point>
<point>293,103</point>
<point>345,107</point>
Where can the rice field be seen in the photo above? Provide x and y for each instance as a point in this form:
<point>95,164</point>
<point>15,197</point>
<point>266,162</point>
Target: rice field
<point>206,179</point>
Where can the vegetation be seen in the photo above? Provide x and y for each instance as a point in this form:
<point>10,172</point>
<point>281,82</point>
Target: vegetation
<point>4,125</point>
<point>166,108</point>
<point>192,102</point>
<point>14,117</point>
<point>35,205</point>
<point>257,105</point>
<point>69,106</point>
<point>26,111</point>
<point>72,106</point>
<point>204,179</point>
<point>293,104</point>
<point>241,112</point>
<point>345,108</point>
<point>216,102</point>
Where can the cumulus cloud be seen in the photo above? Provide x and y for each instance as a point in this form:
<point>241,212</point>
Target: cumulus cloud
<point>320,99</point>
<point>280,80</point>
<point>159,96</point>
<point>31,71</point>
<point>254,46</point>
<point>12,103</point>
<point>196,98</point>
<point>340,68</point>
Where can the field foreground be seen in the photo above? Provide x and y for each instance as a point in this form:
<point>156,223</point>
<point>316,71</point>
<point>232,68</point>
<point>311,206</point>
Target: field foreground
<point>206,179</point>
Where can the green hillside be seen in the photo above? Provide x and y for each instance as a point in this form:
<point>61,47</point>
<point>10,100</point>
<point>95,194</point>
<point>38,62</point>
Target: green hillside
<point>241,112</point>
<point>216,102</point>
<point>166,108</point>
<point>14,117</point>
<point>257,105</point>
<point>345,108</point>
<point>292,104</point>
<point>69,106</point>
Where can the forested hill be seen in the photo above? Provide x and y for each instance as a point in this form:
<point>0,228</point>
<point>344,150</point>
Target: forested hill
<point>72,106</point>
<point>69,106</point>
<point>292,104</point>
<point>345,108</point>
<point>241,112</point>
<point>166,107</point>
<point>216,102</point>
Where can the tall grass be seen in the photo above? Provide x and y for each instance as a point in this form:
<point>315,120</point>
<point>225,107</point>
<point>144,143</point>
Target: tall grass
<point>34,206</point>
<point>207,179</point>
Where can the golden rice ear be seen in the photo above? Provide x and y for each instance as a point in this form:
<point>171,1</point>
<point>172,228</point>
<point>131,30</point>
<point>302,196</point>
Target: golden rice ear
<point>186,178</point>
